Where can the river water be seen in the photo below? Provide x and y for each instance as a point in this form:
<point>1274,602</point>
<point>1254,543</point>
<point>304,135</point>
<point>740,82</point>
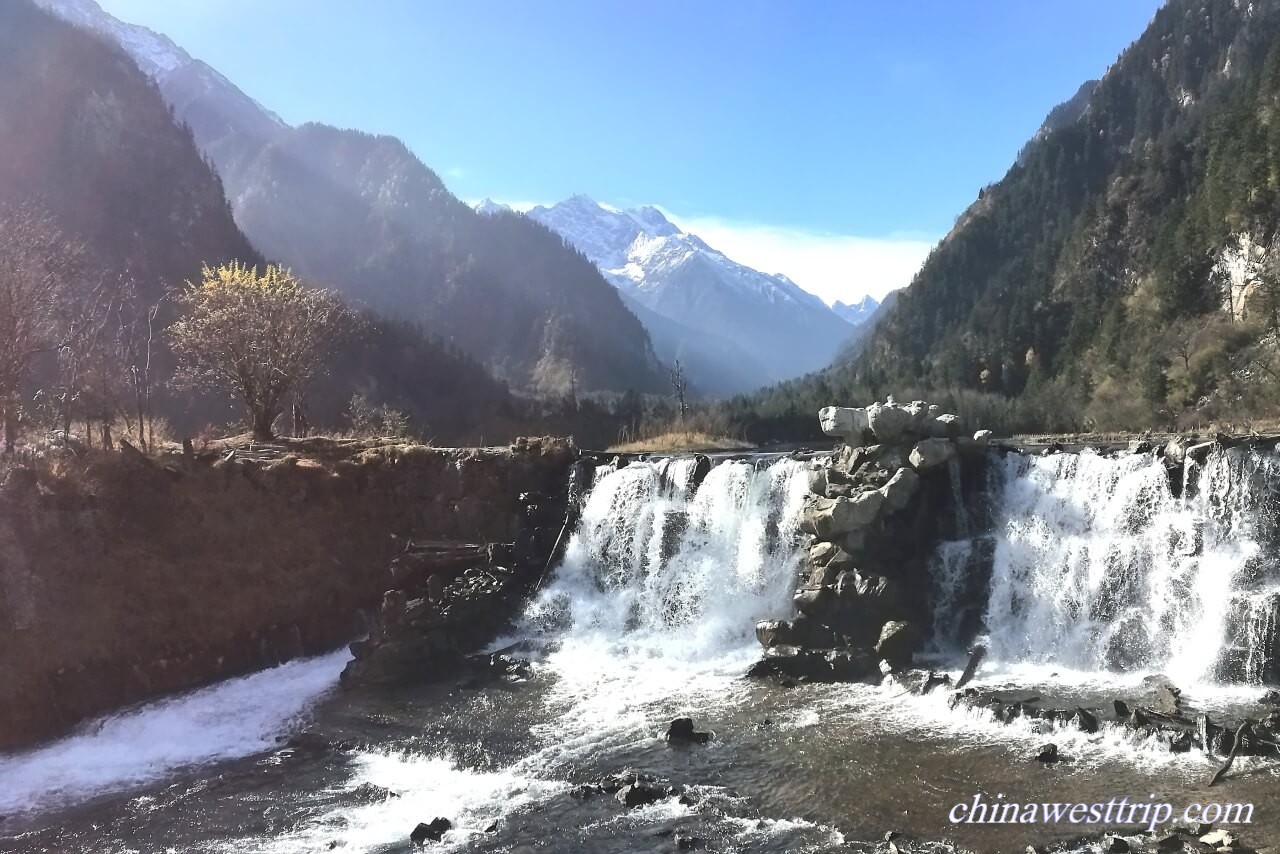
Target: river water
<point>1099,576</point>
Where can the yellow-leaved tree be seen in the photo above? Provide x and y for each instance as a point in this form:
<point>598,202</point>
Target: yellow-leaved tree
<point>256,336</point>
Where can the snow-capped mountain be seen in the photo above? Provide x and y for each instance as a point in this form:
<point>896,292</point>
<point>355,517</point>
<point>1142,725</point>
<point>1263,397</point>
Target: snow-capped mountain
<point>859,312</point>
<point>227,122</point>
<point>488,207</point>
<point>784,329</point>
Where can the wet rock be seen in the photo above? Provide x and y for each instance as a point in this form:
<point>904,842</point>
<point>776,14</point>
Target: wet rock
<point>1115,845</point>
<point>1165,697</point>
<point>685,842</point>
<point>1218,838</point>
<point>640,794</point>
<point>850,665</point>
<point>820,554</point>
<point>1271,698</point>
<point>899,641</point>
<point>831,518</point>
<point>492,828</point>
<point>900,489</point>
<point>931,453</point>
<point>1121,708</point>
<point>874,594</point>
<point>681,731</point>
<point>432,832</point>
<point>1085,721</point>
<point>1048,754</point>
<point>815,600</point>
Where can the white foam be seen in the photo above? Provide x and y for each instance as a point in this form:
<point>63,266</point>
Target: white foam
<point>423,787</point>
<point>229,720</point>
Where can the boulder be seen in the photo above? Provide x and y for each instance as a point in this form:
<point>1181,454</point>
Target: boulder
<point>639,794</point>
<point>946,427</point>
<point>900,489</point>
<point>818,481</point>
<point>844,423</point>
<point>432,832</point>
<point>797,632</point>
<point>874,592</point>
<point>888,421</point>
<point>815,600</point>
<point>1085,721</point>
<point>681,731</point>
<point>931,452</point>
<point>821,553</point>
<point>822,576</point>
<point>851,665</point>
<point>1048,754</point>
<point>898,643</point>
<point>1115,845</point>
<point>831,518</point>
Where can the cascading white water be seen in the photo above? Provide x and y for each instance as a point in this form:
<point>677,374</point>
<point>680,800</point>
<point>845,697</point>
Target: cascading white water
<point>234,718</point>
<point>1098,566</point>
<point>670,570</point>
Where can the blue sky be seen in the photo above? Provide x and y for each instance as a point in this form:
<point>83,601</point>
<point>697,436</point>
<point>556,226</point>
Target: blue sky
<point>831,141</point>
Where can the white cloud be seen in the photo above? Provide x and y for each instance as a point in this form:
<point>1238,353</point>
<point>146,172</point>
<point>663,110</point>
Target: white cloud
<point>833,266</point>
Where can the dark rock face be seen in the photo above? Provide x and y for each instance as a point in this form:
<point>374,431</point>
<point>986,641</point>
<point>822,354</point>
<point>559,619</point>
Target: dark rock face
<point>640,794</point>
<point>681,731</point>
<point>898,643</point>
<point>1048,754</point>
<point>432,832</point>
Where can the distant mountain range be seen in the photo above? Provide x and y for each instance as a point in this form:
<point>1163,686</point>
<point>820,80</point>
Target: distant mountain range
<point>362,214</point>
<point>858,313</point>
<point>735,328</point>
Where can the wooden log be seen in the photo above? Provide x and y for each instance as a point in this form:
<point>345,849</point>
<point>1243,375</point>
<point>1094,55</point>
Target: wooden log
<point>975,659</point>
<point>1231,757</point>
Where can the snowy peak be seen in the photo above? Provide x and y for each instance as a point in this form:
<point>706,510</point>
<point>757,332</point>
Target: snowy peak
<point>604,234</point>
<point>857,313</point>
<point>155,54</point>
<point>677,276</point>
<point>488,207</point>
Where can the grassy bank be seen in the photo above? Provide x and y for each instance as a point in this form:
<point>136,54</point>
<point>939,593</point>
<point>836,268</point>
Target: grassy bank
<point>682,441</point>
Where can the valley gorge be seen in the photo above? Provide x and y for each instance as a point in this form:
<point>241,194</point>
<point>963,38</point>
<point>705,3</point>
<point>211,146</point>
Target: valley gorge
<point>786,600</point>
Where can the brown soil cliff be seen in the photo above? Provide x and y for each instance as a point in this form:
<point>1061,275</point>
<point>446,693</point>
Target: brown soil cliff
<point>123,578</point>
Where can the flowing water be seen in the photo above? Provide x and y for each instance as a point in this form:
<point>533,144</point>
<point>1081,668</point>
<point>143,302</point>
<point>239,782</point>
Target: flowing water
<point>1098,576</point>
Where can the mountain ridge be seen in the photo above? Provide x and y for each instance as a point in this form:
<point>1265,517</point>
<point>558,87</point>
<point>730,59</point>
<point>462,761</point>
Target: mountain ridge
<point>675,274</point>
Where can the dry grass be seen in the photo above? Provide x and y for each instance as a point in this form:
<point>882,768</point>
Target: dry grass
<point>682,440</point>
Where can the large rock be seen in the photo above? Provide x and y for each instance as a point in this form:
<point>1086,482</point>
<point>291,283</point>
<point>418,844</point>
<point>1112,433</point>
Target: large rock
<point>433,832</point>
<point>802,631</point>
<point>898,643</point>
<point>818,481</point>
<point>640,794</point>
<point>681,731</point>
<point>946,427</point>
<point>832,518</point>
<point>815,601</point>
<point>888,421</point>
<point>900,489</point>
<point>844,422</point>
<point>873,592</point>
<point>930,453</point>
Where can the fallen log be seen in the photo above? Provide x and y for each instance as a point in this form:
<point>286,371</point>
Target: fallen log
<point>975,659</point>
<point>1231,757</point>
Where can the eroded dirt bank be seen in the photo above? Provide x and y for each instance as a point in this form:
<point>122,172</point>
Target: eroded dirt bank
<point>123,578</point>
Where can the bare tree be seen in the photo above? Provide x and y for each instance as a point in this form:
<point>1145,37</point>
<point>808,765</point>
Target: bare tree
<point>37,265</point>
<point>679,386</point>
<point>258,337</point>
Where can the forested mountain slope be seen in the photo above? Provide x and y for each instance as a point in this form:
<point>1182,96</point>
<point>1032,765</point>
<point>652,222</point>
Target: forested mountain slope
<point>1121,273</point>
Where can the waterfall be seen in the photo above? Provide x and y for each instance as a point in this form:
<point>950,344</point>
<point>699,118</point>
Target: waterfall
<point>1098,566</point>
<point>659,565</point>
